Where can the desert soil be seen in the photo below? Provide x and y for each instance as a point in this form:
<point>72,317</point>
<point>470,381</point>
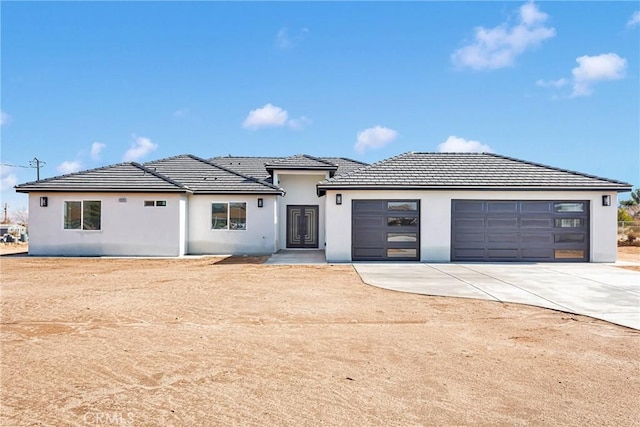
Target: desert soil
<point>213,341</point>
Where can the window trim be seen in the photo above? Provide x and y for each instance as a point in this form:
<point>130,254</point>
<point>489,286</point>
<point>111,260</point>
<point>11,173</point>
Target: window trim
<point>82,224</point>
<point>228,209</point>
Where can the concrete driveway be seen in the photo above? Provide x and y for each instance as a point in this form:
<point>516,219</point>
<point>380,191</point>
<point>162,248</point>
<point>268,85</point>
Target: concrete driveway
<point>597,290</point>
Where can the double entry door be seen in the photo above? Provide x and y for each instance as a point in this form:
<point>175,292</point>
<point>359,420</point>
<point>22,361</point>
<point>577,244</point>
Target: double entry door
<point>302,226</point>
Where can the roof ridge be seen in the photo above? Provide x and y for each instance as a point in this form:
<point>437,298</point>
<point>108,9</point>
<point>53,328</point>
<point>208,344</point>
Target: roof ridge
<point>247,157</point>
<point>159,175</point>
<point>318,159</point>
<point>266,184</point>
<point>365,166</point>
<point>527,162</point>
<point>353,160</point>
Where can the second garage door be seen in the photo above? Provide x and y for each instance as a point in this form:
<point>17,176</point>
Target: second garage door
<point>521,230</point>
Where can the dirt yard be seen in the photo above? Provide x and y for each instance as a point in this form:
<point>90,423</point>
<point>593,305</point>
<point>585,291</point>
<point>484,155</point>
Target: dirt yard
<point>211,341</point>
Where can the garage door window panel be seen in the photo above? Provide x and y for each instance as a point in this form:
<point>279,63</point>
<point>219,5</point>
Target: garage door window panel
<point>569,238</point>
<point>401,253</point>
<point>569,254</point>
<point>396,221</point>
<point>402,237</point>
<point>568,207</point>
<point>569,222</point>
<point>402,206</point>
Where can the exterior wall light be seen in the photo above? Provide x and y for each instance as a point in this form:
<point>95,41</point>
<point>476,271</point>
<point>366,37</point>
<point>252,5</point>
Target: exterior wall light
<point>44,201</point>
<point>260,202</point>
<point>338,199</point>
<point>606,200</point>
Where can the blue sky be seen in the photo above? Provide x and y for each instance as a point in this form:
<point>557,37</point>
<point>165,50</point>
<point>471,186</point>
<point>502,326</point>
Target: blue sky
<point>86,84</point>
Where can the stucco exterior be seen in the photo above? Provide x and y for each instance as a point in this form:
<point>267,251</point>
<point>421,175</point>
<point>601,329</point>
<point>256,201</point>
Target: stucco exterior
<point>435,219</point>
<point>128,228</point>
<point>259,237</point>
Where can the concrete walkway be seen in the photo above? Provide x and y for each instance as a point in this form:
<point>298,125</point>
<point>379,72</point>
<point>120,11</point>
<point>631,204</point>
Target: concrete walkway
<point>297,257</point>
<point>597,290</point>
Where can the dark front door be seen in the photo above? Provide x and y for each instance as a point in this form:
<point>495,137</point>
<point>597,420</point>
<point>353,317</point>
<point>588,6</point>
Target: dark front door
<point>302,226</point>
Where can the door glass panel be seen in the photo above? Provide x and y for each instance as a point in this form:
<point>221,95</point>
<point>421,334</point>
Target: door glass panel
<point>399,221</point>
<point>569,207</point>
<point>569,222</point>
<point>569,254</point>
<point>402,206</point>
<point>402,237</point>
<point>402,253</point>
<point>569,238</point>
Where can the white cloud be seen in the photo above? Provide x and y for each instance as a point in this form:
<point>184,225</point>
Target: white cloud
<point>140,148</point>
<point>375,137</point>
<point>455,144</point>
<point>69,166</point>
<point>181,113</point>
<point>498,47</point>
<point>7,178</point>
<point>96,150</point>
<point>267,116</point>
<point>552,83</point>
<point>299,123</point>
<point>284,41</point>
<point>593,69</point>
<point>5,118</point>
<point>634,20</point>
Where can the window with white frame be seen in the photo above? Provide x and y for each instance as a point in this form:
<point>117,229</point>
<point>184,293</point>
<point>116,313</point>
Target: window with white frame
<point>82,215</point>
<point>229,216</point>
<point>152,203</point>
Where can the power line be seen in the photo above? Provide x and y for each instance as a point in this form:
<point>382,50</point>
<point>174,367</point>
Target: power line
<point>15,166</point>
<point>35,164</point>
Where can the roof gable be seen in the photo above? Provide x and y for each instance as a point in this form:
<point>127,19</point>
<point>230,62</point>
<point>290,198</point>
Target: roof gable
<point>467,170</point>
<point>119,177</point>
<point>302,162</point>
<point>257,166</point>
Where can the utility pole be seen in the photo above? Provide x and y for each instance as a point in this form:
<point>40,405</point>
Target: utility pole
<point>6,214</point>
<point>37,163</point>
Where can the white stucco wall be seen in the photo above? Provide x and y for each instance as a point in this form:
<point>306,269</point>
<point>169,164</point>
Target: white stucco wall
<point>300,187</point>
<point>258,239</point>
<point>127,228</point>
<point>435,219</point>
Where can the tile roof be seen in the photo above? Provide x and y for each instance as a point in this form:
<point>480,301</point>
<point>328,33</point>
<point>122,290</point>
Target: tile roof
<point>257,166</point>
<point>250,166</point>
<point>203,176</point>
<point>466,170</point>
<point>119,177</point>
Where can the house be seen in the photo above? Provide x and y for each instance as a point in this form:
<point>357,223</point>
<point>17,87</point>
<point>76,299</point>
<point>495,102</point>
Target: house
<point>435,207</point>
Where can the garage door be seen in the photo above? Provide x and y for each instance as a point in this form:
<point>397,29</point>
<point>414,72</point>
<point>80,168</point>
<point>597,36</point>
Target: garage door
<point>385,230</point>
<point>524,230</point>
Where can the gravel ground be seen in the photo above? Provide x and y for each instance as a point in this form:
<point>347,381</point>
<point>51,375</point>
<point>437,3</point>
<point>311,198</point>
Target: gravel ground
<point>213,341</point>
